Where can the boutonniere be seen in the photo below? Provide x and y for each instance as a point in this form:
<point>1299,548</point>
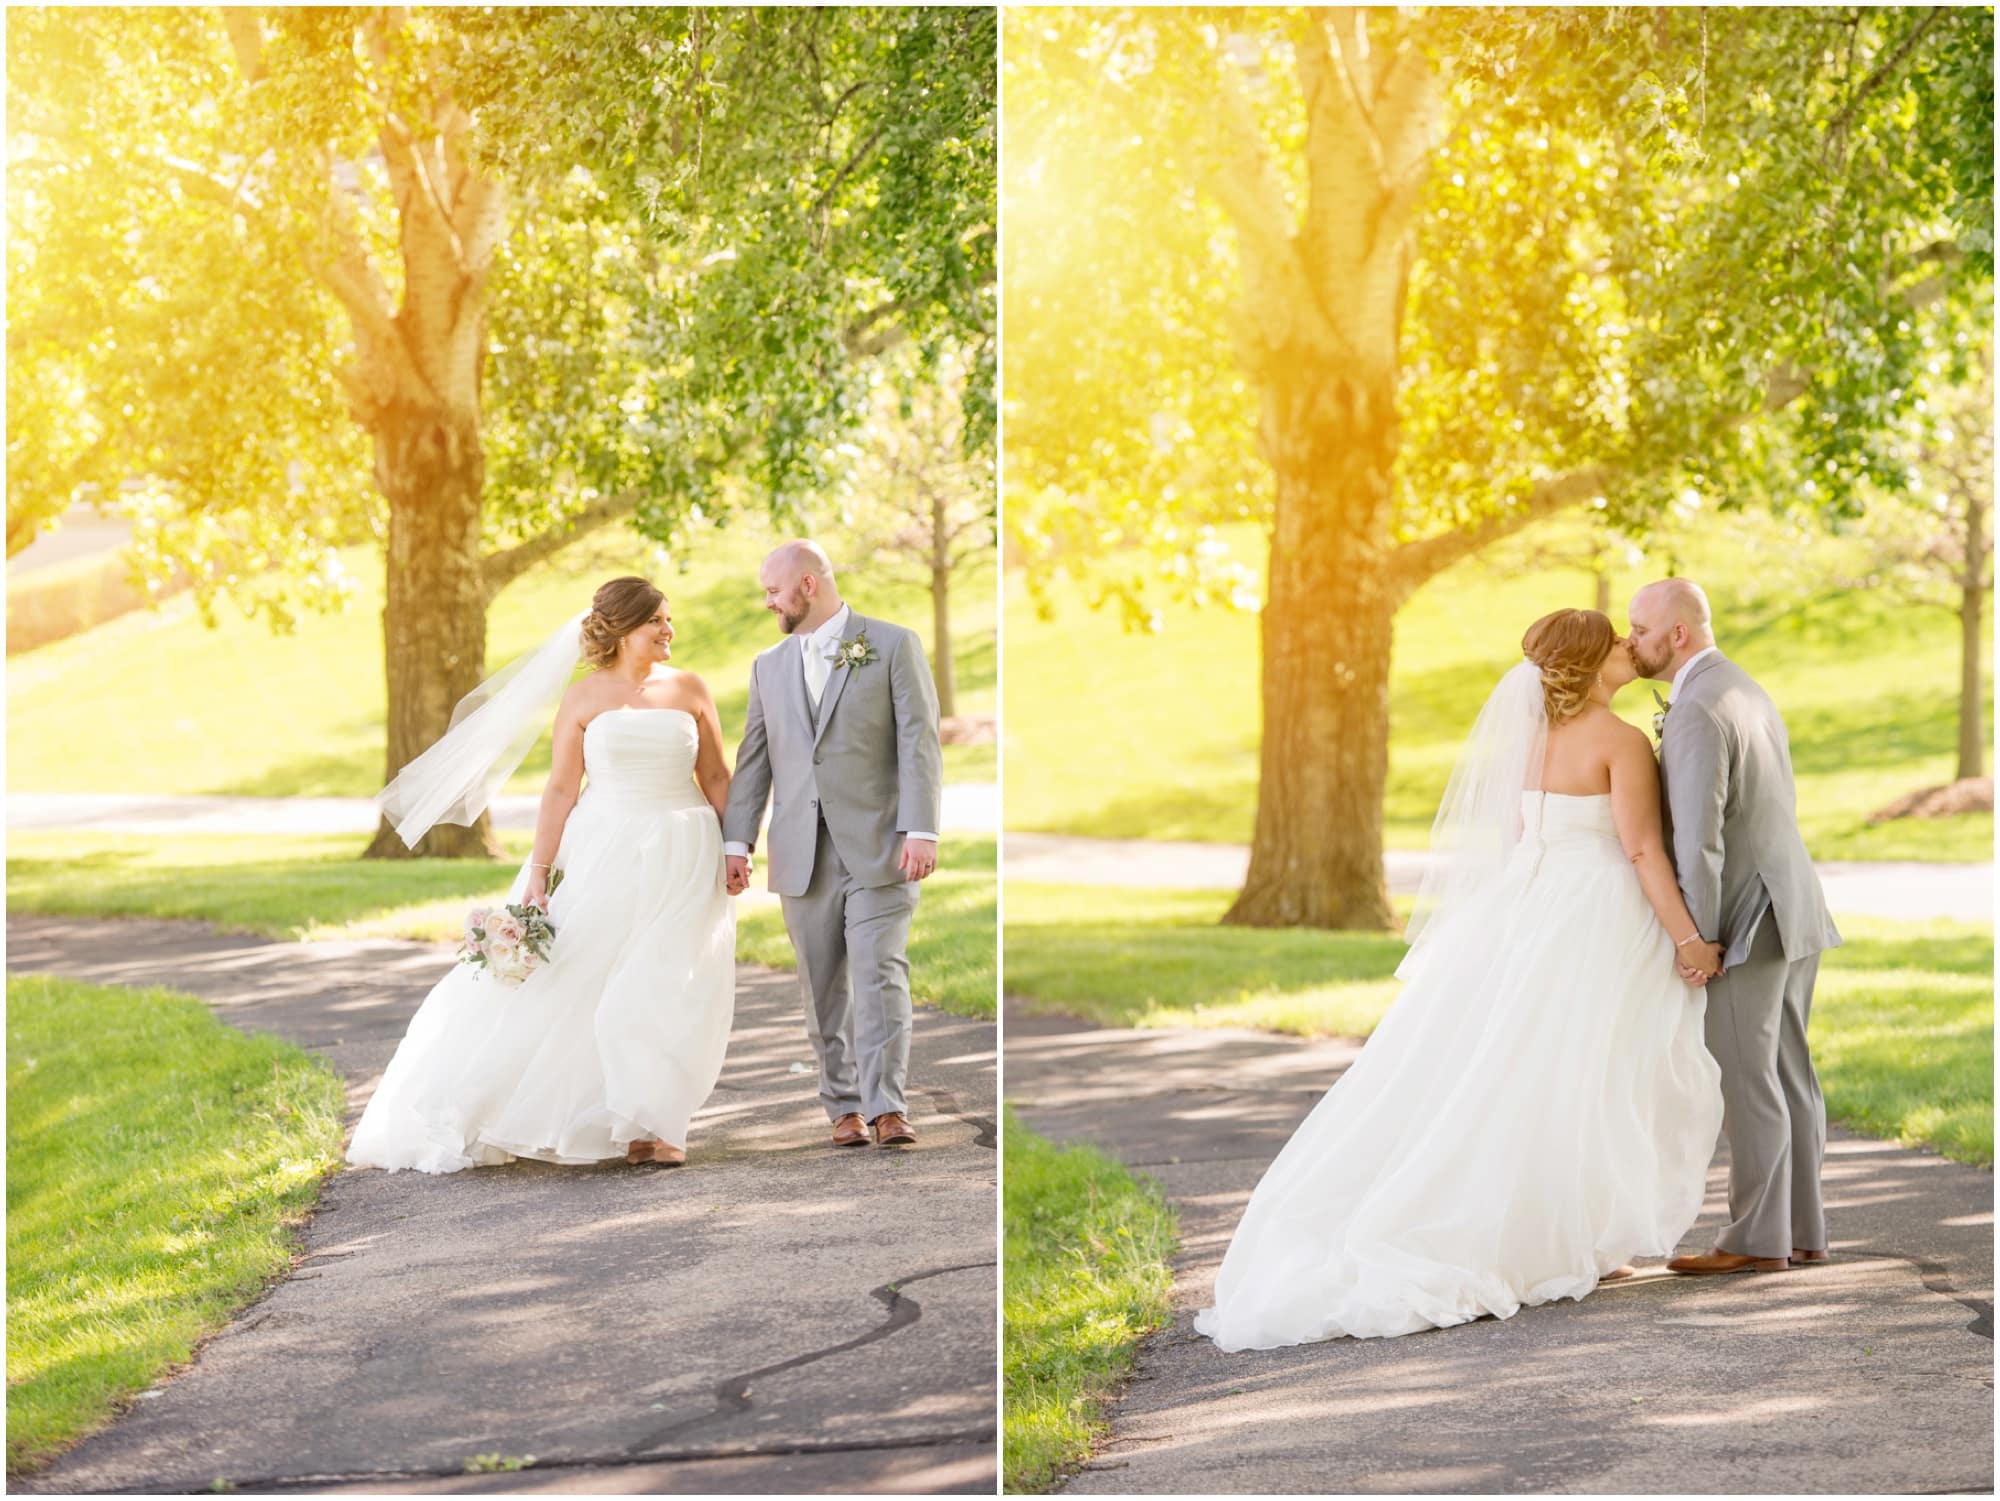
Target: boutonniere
<point>855,653</point>
<point>1660,719</point>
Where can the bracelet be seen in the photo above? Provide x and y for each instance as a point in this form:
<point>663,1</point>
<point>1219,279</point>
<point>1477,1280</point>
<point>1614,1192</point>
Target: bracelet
<point>1689,939</point>
<point>534,866</point>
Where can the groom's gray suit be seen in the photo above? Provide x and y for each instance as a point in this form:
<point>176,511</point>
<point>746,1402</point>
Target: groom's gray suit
<point>846,782</point>
<point>1732,807</point>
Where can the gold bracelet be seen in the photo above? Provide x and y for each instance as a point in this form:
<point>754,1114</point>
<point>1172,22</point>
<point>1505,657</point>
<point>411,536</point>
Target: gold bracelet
<point>1689,939</point>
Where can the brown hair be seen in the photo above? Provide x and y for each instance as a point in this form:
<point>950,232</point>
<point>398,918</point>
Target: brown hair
<point>616,610</point>
<point>1569,646</point>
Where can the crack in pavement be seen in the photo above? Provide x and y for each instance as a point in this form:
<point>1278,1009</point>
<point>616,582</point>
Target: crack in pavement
<point>1937,1278</point>
<point>617,1460</point>
<point>732,1393</point>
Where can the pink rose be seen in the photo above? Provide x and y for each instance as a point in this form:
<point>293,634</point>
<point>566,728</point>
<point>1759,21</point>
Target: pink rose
<point>474,921</point>
<point>507,927</point>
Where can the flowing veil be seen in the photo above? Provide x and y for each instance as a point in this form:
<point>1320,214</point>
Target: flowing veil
<point>491,732</point>
<point>1479,821</point>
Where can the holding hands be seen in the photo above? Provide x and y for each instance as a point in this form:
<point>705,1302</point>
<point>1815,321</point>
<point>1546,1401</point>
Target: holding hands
<point>737,869</point>
<point>1699,961</point>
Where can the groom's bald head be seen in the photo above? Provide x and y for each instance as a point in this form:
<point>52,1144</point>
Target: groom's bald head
<point>797,579</point>
<point>1670,623</point>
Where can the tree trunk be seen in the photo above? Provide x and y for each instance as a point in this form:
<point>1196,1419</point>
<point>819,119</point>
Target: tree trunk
<point>942,671</point>
<point>434,616</point>
<point>1972,622</point>
<point>1327,629</point>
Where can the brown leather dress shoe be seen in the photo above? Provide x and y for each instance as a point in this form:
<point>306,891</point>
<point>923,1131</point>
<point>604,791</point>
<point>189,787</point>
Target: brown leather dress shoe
<point>850,1131</point>
<point>891,1130</point>
<point>1807,1256</point>
<point>1719,1263</point>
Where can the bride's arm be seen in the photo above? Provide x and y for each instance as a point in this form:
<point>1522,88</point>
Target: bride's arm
<point>1635,807</point>
<point>558,797</point>
<point>711,766</point>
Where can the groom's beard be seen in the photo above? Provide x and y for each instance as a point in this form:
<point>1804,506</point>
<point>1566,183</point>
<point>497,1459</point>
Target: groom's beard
<point>1644,668</point>
<point>789,622</point>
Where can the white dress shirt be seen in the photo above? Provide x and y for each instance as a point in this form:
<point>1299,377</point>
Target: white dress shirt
<point>821,642</point>
<point>1674,689</point>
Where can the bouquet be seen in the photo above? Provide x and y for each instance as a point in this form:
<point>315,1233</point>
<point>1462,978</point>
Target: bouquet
<point>509,943</point>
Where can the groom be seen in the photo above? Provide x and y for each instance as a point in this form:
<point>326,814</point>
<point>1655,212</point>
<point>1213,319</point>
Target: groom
<point>1726,772</point>
<point>842,736</point>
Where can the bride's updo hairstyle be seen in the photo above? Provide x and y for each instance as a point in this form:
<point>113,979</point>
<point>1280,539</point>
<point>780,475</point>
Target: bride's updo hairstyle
<point>616,610</point>
<point>1569,646</point>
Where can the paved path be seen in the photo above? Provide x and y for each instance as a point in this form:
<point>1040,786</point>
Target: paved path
<point>1873,1373</point>
<point>969,808</point>
<point>1900,889</point>
<point>779,1315</point>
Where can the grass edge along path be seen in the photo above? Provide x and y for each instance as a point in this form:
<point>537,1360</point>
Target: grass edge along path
<point>160,1164</point>
<point>1087,1254</point>
<point>312,887</point>
<point>1901,1034</point>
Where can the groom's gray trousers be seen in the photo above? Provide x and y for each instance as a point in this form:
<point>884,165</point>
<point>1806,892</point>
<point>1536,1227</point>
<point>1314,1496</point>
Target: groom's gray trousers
<point>850,942</point>
<point>1772,1111</point>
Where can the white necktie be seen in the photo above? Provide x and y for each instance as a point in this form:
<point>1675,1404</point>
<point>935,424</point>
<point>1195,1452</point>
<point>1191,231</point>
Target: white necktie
<point>816,668</point>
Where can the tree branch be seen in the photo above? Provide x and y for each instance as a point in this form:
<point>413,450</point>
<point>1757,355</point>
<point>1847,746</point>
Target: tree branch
<point>499,569</point>
<point>1414,562</point>
<point>1837,129</point>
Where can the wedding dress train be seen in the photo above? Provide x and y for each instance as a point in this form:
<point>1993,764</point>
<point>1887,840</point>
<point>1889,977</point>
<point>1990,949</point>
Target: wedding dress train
<point>1536,1107</point>
<point>621,1035</point>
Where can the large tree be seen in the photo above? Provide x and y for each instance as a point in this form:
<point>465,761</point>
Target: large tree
<point>1446,272</point>
<point>472,282</point>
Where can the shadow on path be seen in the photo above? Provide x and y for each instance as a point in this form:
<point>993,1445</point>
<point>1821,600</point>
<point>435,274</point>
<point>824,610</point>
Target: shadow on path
<point>585,1316</point>
<point>1873,1373</point>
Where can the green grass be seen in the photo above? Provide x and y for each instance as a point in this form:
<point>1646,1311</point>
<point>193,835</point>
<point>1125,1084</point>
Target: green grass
<point>238,710</point>
<point>157,1162</point>
<point>1155,736</point>
<point>1086,1257</point>
<point>1902,1027</point>
<point>314,887</point>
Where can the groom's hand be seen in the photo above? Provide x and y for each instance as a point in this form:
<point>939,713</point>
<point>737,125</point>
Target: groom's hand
<point>738,867</point>
<point>919,858</point>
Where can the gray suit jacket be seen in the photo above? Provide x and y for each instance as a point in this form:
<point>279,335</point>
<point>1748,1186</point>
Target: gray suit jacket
<point>1732,815</point>
<point>868,762</point>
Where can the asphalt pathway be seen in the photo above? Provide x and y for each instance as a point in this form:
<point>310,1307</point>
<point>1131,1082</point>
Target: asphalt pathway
<point>777,1316</point>
<point>1906,889</point>
<point>1870,1374</point>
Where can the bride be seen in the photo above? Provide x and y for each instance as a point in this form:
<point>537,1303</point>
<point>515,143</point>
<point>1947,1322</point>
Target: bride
<point>609,1048</point>
<point>1537,1106</point>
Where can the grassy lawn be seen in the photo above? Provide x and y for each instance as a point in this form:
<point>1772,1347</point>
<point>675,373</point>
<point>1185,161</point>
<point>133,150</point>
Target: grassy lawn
<point>313,887</point>
<point>238,710</point>
<point>1154,736</point>
<point>1087,1247</point>
<point>156,1164</point>
<point>1902,1028</point>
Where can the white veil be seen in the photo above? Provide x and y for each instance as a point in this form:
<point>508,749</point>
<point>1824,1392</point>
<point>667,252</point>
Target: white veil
<point>491,731</point>
<point>1479,822</point>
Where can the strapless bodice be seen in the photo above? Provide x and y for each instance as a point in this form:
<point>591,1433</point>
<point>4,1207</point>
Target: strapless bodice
<point>642,757</point>
<point>1560,815</point>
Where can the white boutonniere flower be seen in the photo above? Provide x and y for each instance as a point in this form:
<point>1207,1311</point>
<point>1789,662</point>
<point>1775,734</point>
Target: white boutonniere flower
<point>1660,719</point>
<point>855,653</point>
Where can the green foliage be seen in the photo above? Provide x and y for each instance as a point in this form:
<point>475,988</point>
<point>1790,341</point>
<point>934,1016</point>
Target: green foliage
<point>1902,1025</point>
<point>718,218</point>
<point>1087,1277</point>
<point>157,1162</point>
<point>1636,229</point>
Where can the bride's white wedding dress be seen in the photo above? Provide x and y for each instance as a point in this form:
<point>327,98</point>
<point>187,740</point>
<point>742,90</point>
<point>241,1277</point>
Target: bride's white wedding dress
<point>1536,1108</point>
<point>621,1035</point>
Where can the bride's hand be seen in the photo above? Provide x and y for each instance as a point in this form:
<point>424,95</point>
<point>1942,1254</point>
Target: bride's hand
<point>537,893</point>
<point>1695,977</point>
